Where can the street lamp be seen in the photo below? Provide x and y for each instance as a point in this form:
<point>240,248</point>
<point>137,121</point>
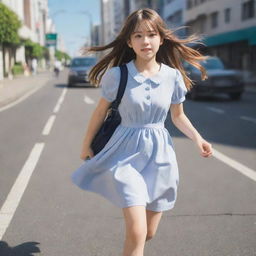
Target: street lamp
<point>89,15</point>
<point>54,15</point>
<point>52,49</point>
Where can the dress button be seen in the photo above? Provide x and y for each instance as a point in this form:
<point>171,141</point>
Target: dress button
<point>148,97</point>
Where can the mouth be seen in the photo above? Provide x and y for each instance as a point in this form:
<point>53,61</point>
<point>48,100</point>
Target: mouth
<point>146,49</point>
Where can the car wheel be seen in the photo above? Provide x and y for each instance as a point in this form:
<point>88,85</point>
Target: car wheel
<point>69,84</point>
<point>235,95</point>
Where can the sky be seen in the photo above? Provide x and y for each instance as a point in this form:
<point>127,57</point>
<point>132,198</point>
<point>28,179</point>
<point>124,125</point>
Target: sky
<point>71,24</point>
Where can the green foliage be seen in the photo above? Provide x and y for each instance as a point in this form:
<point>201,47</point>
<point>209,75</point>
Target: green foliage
<point>17,69</point>
<point>33,50</point>
<point>66,56</point>
<point>9,26</point>
<point>58,54</point>
<point>46,53</point>
<point>61,55</point>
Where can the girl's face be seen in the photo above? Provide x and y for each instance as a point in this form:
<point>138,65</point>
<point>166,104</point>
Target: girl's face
<point>145,41</point>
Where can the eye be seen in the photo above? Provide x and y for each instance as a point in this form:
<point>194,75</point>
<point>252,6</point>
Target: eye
<point>153,34</point>
<point>137,36</point>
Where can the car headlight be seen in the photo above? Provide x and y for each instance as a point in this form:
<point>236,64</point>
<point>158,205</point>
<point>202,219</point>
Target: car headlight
<point>72,73</point>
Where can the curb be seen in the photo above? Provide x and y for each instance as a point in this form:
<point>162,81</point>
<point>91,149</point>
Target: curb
<point>15,98</point>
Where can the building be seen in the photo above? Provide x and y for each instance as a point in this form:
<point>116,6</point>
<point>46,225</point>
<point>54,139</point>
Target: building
<point>229,30</point>
<point>114,13</point>
<point>33,16</point>
<point>173,13</point>
<point>107,21</point>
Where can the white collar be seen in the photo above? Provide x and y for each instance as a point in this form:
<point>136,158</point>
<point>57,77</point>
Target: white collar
<point>140,78</point>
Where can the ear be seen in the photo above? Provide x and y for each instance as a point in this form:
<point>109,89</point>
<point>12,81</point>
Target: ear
<point>129,43</point>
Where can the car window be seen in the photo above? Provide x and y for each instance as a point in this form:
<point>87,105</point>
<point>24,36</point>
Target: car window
<point>81,62</point>
<point>212,63</point>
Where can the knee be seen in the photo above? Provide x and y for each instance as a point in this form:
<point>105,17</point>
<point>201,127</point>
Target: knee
<point>137,234</point>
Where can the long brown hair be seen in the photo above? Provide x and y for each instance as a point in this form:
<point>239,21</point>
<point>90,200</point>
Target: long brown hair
<point>171,52</point>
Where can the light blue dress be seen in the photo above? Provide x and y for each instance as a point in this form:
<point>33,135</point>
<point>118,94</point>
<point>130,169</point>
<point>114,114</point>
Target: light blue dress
<point>138,164</point>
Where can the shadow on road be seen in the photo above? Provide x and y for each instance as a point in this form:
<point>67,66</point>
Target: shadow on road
<point>25,249</point>
<point>76,86</point>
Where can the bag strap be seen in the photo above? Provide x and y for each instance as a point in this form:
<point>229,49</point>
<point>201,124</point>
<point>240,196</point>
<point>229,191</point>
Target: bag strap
<point>122,86</point>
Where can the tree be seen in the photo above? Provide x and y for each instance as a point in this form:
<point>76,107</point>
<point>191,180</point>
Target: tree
<point>33,50</point>
<point>9,26</point>
<point>61,55</point>
<point>9,37</point>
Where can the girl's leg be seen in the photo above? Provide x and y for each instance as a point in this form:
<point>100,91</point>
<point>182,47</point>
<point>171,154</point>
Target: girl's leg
<point>153,219</point>
<point>136,230</point>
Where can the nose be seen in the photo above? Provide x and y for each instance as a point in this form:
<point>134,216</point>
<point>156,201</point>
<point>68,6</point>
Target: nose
<point>145,40</point>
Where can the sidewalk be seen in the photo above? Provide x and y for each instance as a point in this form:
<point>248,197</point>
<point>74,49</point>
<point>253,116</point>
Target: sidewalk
<point>12,90</point>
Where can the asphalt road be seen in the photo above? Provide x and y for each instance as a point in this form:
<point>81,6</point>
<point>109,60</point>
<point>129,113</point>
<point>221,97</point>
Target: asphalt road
<point>215,213</point>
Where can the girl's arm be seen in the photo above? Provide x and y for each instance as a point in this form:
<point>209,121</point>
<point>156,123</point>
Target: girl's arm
<point>181,121</point>
<point>96,120</point>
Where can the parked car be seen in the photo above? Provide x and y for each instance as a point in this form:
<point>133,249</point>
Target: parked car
<point>220,80</point>
<point>79,69</point>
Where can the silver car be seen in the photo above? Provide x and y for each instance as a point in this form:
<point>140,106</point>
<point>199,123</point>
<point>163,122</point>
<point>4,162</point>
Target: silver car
<point>79,70</point>
<point>220,80</point>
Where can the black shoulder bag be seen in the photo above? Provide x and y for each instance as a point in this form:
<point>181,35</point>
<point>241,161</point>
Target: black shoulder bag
<point>113,118</point>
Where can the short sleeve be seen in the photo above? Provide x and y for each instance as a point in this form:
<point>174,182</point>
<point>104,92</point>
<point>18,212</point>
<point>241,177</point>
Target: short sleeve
<point>180,89</point>
<point>110,83</point>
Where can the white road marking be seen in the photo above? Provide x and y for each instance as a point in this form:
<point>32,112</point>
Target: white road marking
<point>61,99</point>
<point>12,201</point>
<point>49,125</point>
<point>236,165</point>
<point>247,118</point>
<point>88,100</point>
<point>217,110</point>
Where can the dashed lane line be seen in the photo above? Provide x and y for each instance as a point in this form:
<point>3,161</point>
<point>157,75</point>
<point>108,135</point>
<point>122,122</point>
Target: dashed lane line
<point>12,201</point>
<point>216,110</point>
<point>88,100</point>
<point>49,125</point>
<point>250,119</point>
<point>61,99</point>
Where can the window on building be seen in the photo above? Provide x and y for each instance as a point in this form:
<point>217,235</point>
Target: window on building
<point>214,19</point>
<point>202,25</point>
<point>26,11</point>
<point>197,2</point>
<point>175,19</point>
<point>227,15</point>
<point>248,10</point>
<point>169,1</point>
<point>189,4</point>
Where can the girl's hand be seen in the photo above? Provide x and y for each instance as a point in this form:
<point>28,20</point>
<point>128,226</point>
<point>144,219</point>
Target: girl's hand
<point>86,153</point>
<point>205,148</point>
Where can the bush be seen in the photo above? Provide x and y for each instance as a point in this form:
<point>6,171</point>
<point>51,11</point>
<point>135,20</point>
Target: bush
<point>33,50</point>
<point>17,69</point>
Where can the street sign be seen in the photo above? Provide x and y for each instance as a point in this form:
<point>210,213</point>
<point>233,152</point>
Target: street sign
<point>51,39</point>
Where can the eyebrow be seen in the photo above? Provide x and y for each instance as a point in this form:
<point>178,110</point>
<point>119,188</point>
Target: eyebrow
<point>141,31</point>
